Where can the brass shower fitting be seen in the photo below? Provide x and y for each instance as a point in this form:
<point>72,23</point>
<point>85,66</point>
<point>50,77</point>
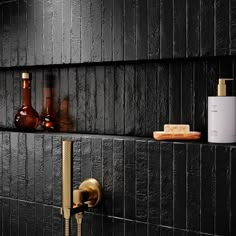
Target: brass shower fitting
<point>88,194</point>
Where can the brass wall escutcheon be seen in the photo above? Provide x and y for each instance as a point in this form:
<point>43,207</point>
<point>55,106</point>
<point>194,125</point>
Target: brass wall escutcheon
<point>89,192</point>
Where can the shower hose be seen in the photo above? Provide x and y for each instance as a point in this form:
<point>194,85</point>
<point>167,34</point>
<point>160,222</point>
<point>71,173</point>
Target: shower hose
<point>79,217</point>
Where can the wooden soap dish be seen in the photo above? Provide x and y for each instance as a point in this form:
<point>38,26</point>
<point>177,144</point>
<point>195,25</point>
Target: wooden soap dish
<point>161,135</point>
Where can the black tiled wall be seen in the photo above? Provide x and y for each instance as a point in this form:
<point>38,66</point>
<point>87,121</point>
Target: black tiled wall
<point>47,32</point>
<point>150,188</point>
<point>124,99</point>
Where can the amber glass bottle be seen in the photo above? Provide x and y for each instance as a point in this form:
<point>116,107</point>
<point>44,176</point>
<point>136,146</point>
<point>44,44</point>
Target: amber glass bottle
<point>48,117</point>
<point>27,118</point>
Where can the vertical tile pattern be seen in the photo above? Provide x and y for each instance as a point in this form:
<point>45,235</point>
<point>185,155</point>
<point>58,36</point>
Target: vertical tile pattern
<point>3,107</point>
<point>232,189</point>
<point>166,28</point>
<point>166,150</point>
<point>22,29</point>
<point>207,28</point>
<point>14,33</point>
<point>141,181</point>
<point>47,32</point>
<point>193,187</point>
<point>179,175</point>
<point>75,31</point>
<point>153,10</point>
<point>118,30</point>
<point>130,30</point>
<point>66,31</point>
<point>179,40</point>
<point>207,185</point>
<point>57,32</point>
<point>141,30</point>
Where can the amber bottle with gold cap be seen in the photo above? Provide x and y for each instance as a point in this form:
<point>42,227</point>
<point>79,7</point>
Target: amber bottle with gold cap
<point>27,118</point>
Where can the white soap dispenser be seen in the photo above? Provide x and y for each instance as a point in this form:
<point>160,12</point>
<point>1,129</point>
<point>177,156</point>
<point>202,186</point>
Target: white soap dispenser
<point>222,116</point>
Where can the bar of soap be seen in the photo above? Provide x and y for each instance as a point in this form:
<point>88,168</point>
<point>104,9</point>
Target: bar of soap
<point>176,129</point>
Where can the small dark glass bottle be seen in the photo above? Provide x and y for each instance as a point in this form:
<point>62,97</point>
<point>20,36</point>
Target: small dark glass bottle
<point>48,117</point>
<point>26,118</point>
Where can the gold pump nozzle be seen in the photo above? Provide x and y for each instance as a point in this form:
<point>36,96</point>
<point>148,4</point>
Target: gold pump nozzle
<point>222,86</point>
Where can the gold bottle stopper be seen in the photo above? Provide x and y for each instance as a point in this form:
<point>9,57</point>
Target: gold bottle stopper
<point>222,86</point>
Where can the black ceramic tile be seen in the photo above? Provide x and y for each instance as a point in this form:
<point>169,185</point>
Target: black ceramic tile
<point>141,229</point>
<point>222,27</point>
<point>1,33</point>
<point>208,189</point>
<point>141,181</point>
<point>164,231</point>
<point>22,32</point>
<point>57,169</point>
<point>118,178</point>
<point>96,50</point>
<point>179,40</point>
<point>99,102</point>
<point>130,228</point>
<point>6,46</point>
<point>39,215</point>
<point>153,29</point>
<point>193,187</point>
<point>14,217</point>
<point>57,32</point>
<point>5,217</point>
<point>3,107</point>
<point>222,190</point>
<point>48,169</point>
<point>207,28</point>
<point>47,217</point>
<point>187,99</point>
<point>73,96</point>
<point>130,30</point>
<point>108,223</point>
<point>166,29</point>
<point>152,97</point>
<point>175,93</point>
<point>153,230</point>
<point>179,232</point>
<point>190,233</point>
<point>107,30</point>
<point>75,31</point>
<point>129,167</point>
<point>97,225</point>
<point>179,151</point>
<point>154,183</point>
<point>86,32</point>
<point>90,108</point>
<point>108,175</point>
<point>9,98</point>
<point>163,89</point>
<point>193,28</point>
<point>47,32</point>
<point>118,227</point>
<point>109,97</point>
<point>38,81</point>
<point>233,191</point>
<point>86,165</point>
<point>166,150</point>
<point>17,91</point>
<point>38,21</point>
<point>118,30</point>
<point>1,165</point>
<point>81,99</point>
<point>57,219</point>
<point>14,165</point>
<point>141,29</point>
<point>63,83</point>
<point>66,31</point>
<point>13,35</point>
<point>119,99</point>
<point>6,154</point>
<point>39,168</point>
<point>140,87</point>
<point>129,102</point>
<point>76,162</point>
